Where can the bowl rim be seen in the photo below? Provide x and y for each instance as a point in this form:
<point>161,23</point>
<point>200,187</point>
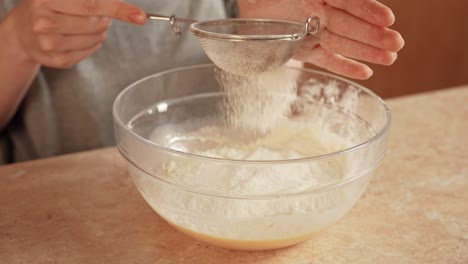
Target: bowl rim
<point>363,144</point>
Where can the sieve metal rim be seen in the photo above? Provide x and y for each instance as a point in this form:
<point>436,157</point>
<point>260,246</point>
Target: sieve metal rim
<point>232,37</point>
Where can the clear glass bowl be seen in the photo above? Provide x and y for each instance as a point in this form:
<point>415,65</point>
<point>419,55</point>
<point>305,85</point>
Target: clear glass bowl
<point>153,114</point>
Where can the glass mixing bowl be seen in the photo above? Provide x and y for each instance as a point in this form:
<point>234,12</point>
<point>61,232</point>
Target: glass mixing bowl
<point>156,116</point>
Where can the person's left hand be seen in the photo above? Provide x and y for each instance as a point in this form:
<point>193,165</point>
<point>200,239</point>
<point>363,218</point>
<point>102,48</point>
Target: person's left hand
<point>350,31</point>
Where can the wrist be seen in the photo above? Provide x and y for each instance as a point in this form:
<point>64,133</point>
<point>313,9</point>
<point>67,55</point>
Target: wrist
<point>11,47</point>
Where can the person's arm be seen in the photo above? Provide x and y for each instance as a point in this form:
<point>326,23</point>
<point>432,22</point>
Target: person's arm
<point>352,32</point>
<point>53,33</point>
<point>16,73</point>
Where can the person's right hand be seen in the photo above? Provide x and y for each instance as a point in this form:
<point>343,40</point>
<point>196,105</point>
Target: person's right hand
<point>61,33</point>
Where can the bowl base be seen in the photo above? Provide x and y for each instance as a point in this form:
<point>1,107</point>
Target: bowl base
<point>244,245</point>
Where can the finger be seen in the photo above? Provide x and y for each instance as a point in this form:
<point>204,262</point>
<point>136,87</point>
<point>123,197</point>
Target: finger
<point>70,24</point>
<point>61,43</point>
<point>334,63</point>
<point>356,50</point>
<point>116,9</point>
<point>371,11</point>
<point>67,59</point>
<point>346,25</point>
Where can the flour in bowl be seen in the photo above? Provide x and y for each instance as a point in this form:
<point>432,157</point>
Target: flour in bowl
<point>288,141</point>
<point>244,219</point>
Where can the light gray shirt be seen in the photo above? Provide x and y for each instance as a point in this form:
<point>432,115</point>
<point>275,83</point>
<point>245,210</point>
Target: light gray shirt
<point>70,110</point>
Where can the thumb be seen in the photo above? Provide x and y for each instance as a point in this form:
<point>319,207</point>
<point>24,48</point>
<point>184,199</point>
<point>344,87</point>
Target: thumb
<point>126,12</point>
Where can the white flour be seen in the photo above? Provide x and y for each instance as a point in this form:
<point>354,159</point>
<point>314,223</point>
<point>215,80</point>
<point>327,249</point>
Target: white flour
<point>254,104</point>
<point>289,140</point>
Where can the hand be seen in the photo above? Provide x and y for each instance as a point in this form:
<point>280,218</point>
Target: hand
<point>351,31</point>
<point>61,33</point>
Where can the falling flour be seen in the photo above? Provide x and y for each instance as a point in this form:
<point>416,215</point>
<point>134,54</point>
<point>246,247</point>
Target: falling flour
<point>253,105</point>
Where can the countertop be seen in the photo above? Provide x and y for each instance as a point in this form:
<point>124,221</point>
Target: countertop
<point>84,208</point>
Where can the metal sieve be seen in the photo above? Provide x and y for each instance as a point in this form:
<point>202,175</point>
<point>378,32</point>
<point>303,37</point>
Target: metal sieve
<point>247,46</point>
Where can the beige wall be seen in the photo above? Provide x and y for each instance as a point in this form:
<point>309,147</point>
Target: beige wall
<point>436,52</point>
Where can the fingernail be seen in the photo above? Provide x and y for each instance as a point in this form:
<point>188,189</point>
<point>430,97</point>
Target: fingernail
<point>367,73</point>
<point>137,18</point>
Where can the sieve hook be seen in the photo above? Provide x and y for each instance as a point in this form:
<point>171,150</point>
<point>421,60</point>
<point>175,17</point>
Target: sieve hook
<point>172,20</point>
<point>310,30</point>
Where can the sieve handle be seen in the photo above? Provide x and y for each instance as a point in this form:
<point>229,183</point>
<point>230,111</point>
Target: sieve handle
<point>312,26</point>
<point>172,20</point>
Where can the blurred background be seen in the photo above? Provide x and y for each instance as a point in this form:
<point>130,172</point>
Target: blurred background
<point>435,55</point>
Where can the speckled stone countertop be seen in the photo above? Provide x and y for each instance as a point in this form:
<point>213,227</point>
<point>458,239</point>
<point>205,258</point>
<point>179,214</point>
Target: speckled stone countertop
<point>84,208</point>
